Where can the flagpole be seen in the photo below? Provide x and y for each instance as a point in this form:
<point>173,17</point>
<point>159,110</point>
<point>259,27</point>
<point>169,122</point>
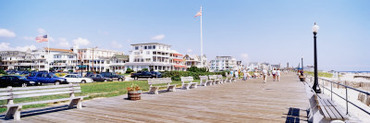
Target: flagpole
<point>48,54</point>
<point>201,38</point>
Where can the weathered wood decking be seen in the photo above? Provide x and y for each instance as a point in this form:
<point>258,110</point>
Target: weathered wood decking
<point>241,101</point>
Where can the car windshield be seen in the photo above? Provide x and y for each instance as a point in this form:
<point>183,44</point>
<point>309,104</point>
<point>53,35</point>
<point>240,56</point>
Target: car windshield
<point>22,77</point>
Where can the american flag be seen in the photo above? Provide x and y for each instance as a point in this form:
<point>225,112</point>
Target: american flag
<point>199,13</point>
<point>40,39</point>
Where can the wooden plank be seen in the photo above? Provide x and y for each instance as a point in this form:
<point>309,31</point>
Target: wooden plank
<point>46,90</point>
<point>5,97</point>
<point>4,94</point>
<point>342,114</point>
<point>44,94</point>
<point>324,110</point>
<point>332,111</point>
<point>45,87</point>
<point>46,101</point>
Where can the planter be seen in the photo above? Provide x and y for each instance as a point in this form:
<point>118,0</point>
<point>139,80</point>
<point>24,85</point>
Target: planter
<point>134,95</point>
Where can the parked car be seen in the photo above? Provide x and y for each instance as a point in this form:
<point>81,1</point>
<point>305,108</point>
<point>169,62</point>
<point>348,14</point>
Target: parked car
<point>20,81</point>
<point>44,77</point>
<point>76,78</point>
<point>145,74</point>
<point>113,76</point>
<point>99,78</point>
<point>157,74</point>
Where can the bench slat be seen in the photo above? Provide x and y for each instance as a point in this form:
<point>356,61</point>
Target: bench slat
<point>331,110</point>
<point>342,114</point>
<point>5,97</point>
<point>4,94</point>
<point>47,90</point>
<point>324,110</point>
<point>45,94</point>
<point>45,101</point>
<point>45,87</point>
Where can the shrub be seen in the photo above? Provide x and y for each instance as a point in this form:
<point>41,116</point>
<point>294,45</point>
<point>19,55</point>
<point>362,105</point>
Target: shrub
<point>175,75</point>
<point>129,70</point>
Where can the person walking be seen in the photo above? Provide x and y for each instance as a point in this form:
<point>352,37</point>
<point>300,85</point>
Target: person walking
<point>264,75</point>
<point>274,74</point>
<point>278,75</point>
<point>236,75</point>
<point>244,75</point>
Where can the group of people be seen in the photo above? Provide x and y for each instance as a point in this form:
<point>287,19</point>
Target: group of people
<point>275,74</point>
<point>264,73</point>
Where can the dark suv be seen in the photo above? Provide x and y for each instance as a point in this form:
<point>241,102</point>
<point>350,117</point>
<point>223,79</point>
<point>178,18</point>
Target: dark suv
<point>113,76</point>
<point>146,74</point>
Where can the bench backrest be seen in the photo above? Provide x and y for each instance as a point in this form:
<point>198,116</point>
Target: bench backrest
<point>203,78</point>
<point>187,79</point>
<point>212,77</point>
<point>219,76</point>
<point>153,81</point>
<point>11,93</point>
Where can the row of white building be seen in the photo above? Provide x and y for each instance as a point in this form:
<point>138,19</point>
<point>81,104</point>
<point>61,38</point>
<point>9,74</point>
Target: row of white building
<point>153,56</point>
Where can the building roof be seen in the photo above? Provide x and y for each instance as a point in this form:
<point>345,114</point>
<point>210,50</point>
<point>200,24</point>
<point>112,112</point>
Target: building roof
<point>59,50</point>
<point>151,43</point>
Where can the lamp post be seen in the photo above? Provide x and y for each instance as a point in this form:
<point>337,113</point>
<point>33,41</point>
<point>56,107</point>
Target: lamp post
<point>315,87</point>
<point>302,63</point>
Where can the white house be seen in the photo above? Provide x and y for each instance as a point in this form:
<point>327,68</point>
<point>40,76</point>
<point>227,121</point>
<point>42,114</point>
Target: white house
<point>154,56</point>
<point>222,63</point>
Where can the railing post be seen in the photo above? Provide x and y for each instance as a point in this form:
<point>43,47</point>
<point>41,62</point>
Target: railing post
<point>323,85</point>
<point>346,99</point>
<point>331,90</point>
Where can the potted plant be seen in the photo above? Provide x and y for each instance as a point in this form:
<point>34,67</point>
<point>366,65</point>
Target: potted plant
<point>134,92</point>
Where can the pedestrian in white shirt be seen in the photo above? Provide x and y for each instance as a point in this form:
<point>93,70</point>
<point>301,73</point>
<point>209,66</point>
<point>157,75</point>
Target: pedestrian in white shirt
<point>274,74</point>
<point>264,75</point>
<point>278,75</point>
<point>244,74</point>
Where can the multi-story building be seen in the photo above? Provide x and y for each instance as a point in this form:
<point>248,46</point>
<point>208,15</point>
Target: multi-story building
<point>117,63</point>
<point>222,63</point>
<point>253,66</point>
<point>194,60</point>
<point>94,59</point>
<point>154,56</point>
<point>16,60</point>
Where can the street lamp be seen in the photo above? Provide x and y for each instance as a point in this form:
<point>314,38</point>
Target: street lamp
<point>315,87</point>
<point>302,63</point>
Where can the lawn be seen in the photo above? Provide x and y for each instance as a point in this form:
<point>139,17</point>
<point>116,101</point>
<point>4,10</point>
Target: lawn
<point>320,74</point>
<point>93,90</point>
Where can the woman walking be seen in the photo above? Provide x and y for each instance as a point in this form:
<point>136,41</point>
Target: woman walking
<point>264,75</point>
<point>274,74</point>
<point>278,75</point>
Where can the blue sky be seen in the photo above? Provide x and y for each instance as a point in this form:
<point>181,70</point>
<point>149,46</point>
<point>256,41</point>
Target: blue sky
<point>275,31</point>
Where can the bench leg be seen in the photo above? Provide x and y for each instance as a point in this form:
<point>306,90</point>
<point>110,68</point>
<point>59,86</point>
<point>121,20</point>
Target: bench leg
<point>194,85</point>
<point>77,102</point>
<point>14,112</point>
<point>154,90</point>
<point>171,88</point>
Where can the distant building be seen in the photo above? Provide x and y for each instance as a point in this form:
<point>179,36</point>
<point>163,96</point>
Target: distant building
<point>222,63</point>
<point>194,60</point>
<point>155,56</point>
<point>94,59</point>
<point>253,66</point>
<point>276,66</point>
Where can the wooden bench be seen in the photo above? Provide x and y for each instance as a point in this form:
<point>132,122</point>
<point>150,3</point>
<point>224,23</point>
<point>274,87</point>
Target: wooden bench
<point>187,82</point>
<point>329,109</point>
<point>212,79</point>
<point>154,84</point>
<point>203,80</point>
<point>219,79</point>
<point>14,110</point>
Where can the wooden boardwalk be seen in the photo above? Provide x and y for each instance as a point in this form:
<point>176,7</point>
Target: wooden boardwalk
<point>241,101</point>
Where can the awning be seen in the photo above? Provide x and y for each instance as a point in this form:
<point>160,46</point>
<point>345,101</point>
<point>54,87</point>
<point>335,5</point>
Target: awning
<point>178,60</point>
<point>177,54</point>
<point>180,66</point>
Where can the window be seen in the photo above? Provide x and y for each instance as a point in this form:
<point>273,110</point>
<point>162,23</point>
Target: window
<point>153,46</point>
<point>136,47</point>
<point>154,52</point>
<point>149,47</point>
<point>145,47</point>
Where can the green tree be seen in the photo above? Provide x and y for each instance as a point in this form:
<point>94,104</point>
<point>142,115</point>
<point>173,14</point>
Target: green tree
<point>129,70</point>
<point>145,69</point>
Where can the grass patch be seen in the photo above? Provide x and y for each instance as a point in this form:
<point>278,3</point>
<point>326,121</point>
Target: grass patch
<point>93,90</point>
<point>320,74</point>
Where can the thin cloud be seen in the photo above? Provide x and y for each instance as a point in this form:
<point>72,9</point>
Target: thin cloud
<point>158,37</point>
<point>81,41</point>
<point>63,42</point>
<point>41,31</point>
<point>29,38</point>
<point>117,45</point>
<point>6,47</point>
<point>6,33</point>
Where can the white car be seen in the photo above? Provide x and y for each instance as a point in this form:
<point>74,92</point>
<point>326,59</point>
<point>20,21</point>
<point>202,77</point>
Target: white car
<point>75,78</point>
